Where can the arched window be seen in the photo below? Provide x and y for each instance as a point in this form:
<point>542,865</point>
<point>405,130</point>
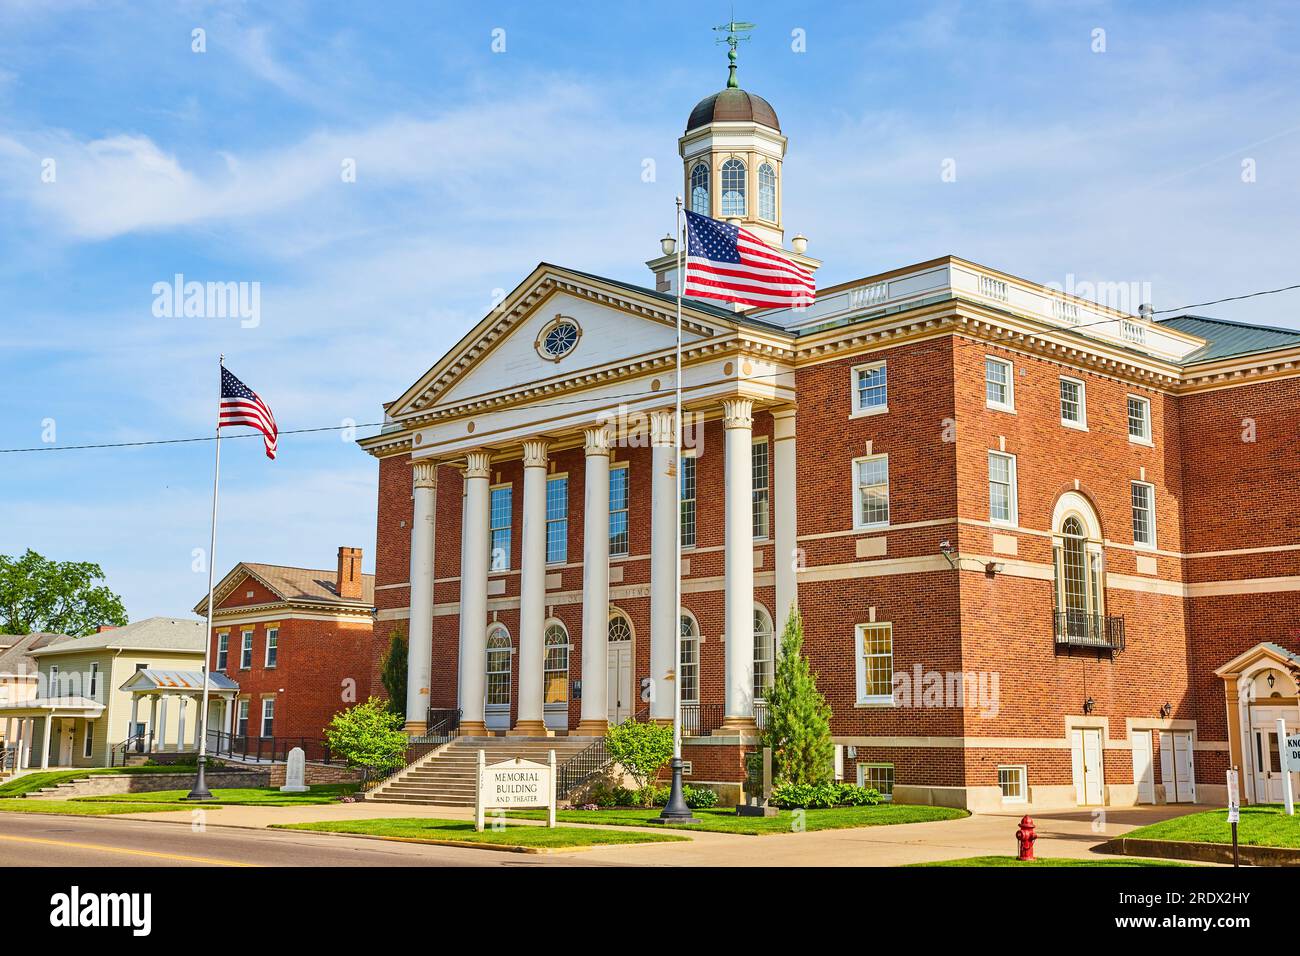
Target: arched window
<point>700,189</point>
<point>764,648</point>
<point>733,188</point>
<point>499,653</point>
<point>619,629</point>
<point>556,668</point>
<point>1079,592</point>
<point>767,193</point>
<point>690,669</point>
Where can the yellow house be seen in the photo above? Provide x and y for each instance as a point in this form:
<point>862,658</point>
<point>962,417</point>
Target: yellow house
<point>80,715</point>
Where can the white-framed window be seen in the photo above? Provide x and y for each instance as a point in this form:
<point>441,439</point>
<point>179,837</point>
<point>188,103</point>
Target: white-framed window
<point>1012,781</point>
<point>764,652</point>
<point>619,541</point>
<point>246,650</point>
<point>761,471</point>
<point>223,651</point>
<point>1074,407</point>
<point>999,384</point>
<point>241,718</point>
<point>875,663</point>
<point>870,389</point>
<point>733,188</point>
<point>555,669</point>
<point>1080,580</point>
<point>557,519</point>
<point>88,745</point>
<point>55,689</point>
<point>878,776</point>
<point>690,668</point>
<point>700,189</point>
<point>94,680</point>
<point>501,503</point>
<point>1139,419</point>
<point>272,646</point>
<point>500,650</point>
<point>268,716</point>
<point>1003,503</point>
<point>871,492</point>
<point>688,500</point>
<point>1144,514</point>
<point>767,192</point>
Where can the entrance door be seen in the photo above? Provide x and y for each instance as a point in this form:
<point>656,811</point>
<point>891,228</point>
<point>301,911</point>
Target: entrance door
<point>1085,759</point>
<point>618,685</point>
<point>1176,767</point>
<point>1268,766</point>
<point>1144,770</point>
<point>67,734</point>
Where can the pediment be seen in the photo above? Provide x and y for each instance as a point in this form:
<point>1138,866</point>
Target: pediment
<point>618,325</point>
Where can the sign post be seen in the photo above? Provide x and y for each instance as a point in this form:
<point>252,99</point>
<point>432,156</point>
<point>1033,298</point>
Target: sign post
<point>513,784</point>
<point>1284,746</point>
<point>1234,811</point>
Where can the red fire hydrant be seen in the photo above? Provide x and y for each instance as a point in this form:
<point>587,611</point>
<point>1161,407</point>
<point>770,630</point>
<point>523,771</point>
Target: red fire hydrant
<point>1025,836</point>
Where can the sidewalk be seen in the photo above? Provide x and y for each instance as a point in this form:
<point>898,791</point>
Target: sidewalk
<point>1062,833</point>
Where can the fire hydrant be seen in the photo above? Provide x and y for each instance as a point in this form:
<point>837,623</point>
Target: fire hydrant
<point>1025,836</point>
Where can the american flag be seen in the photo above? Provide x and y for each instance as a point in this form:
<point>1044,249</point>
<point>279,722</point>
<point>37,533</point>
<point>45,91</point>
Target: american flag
<point>730,263</point>
<point>241,406</point>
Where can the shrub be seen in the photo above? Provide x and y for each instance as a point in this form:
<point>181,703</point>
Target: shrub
<point>642,749</point>
<point>798,727</point>
<point>368,735</point>
<point>697,798</point>
<point>394,674</point>
<point>789,796</point>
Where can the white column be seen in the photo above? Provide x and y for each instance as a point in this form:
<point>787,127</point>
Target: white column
<point>45,748</point>
<point>595,585</point>
<point>473,594</point>
<point>419,640</point>
<point>532,594</point>
<point>664,618</point>
<point>152,741</point>
<point>784,515</point>
<point>738,705</point>
<point>198,723</point>
<point>162,723</point>
<point>135,714</point>
<point>181,704</point>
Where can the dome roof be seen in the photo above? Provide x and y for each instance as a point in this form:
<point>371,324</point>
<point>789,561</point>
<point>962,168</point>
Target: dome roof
<point>733,106</point>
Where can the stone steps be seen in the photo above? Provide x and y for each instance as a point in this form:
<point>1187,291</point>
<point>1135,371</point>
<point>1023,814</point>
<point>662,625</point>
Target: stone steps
<point>447,778</point>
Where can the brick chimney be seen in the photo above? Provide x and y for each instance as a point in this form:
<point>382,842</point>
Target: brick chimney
<point>348,582</point>
<point>105,627</point>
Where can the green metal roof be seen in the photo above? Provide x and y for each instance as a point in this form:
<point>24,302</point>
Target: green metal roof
<point>1228,339</point>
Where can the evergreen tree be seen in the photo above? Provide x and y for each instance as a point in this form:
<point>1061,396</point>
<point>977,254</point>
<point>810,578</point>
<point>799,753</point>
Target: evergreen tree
<point>798,718</point>
<point>394,674</point>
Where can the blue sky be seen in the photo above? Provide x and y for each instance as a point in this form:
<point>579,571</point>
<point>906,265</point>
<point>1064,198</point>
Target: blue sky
<point>472,166</point>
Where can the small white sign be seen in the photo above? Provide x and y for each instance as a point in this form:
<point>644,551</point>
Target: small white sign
<point>1234,797</point>
<point>513,784</point>
<point>1293,750</point>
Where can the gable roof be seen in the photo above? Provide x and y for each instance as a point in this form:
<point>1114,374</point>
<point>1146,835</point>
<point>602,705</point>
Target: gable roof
<point>1228,339</point>
<point>292,585</point>
<point>163,680</point>
<point>153,633</point>
<point>17,659</point>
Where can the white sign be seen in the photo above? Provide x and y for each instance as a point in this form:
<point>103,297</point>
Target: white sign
<point>1293,750</point>
<point>1234,798</point>
<point>513,784</point>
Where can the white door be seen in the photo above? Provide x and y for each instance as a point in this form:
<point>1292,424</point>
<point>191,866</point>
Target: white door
<point>1268,766</point>
<point>1085,760</point>
<point>1176,768</point>
<point>67,734</point>
<point>618,684</point>
<point>1144,770</point>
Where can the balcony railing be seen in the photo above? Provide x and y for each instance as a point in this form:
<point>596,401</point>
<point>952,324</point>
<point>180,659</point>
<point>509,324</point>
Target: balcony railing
<point>1084,629</point>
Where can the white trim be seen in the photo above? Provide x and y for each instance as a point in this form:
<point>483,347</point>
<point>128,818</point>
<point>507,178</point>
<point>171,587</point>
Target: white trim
<point>1024,782</point>
<point>857,411</point>
<point>1149,438</point>
<point>1010,404</point>
<point>1151,517</point>
<point>861,697</point>
<point>858,524</point>
<point>1014,503</point>
<point>1082,423</point>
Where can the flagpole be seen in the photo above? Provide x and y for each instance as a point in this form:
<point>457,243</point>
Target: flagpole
<point>676,810</point>
<point>201,791</point>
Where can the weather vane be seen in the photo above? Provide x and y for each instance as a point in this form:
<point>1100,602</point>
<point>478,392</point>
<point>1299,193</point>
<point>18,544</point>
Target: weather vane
<point>734,35</point>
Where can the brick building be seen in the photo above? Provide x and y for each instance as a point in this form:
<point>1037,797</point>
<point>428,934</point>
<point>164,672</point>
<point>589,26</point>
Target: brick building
<point>1041,545</point>
<point>299,643</point>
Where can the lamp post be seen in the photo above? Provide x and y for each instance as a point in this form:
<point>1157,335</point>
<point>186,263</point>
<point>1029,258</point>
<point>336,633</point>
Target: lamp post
<point>676,810</point>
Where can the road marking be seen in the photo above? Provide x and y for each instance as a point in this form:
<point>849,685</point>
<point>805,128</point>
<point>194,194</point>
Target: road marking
<point>117,849</point>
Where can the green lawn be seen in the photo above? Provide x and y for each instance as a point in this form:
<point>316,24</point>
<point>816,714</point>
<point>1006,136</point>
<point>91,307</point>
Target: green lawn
<point>1011,861</point>
<point>243,796</point>
<point>1261,825</point>
<point>726,821</point>
<point>77,808</point>
<point>462,831</point>
<point>48,778</point>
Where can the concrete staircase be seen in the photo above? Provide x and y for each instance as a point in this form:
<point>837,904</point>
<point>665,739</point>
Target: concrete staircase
<point>445,777</point>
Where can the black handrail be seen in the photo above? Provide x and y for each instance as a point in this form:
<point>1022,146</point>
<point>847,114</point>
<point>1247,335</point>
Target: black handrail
<point>1086,629</point>
<point>442,727</point>
<point>701,720</point>
<point>581,767</point>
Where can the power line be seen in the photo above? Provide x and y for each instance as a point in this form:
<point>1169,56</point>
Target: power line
<point>1231,298</point>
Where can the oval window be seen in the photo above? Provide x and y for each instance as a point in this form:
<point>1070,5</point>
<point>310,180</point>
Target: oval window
<point>559,338</point>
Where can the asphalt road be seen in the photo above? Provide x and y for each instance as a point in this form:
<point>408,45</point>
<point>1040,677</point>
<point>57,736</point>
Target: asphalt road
<point>52,841</point>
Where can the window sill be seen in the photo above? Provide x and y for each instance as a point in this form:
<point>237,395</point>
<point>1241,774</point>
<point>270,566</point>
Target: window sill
<point>875,702</point>
<point>1008,409</point>
<point>1077,426</point>
<point>1134,440</point>
<point>1145,547</point>
<point>871,527</point>
<point>868,412</point>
